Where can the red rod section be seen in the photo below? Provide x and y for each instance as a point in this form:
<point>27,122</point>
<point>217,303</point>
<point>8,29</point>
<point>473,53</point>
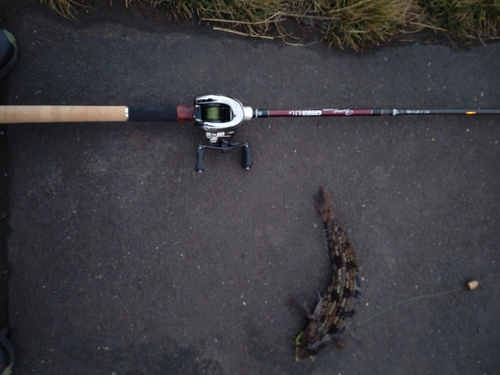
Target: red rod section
<point>314,112</point>
<point>185,113</point>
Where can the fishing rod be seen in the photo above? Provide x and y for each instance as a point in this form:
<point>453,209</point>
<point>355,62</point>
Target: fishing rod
<point>217,115</point>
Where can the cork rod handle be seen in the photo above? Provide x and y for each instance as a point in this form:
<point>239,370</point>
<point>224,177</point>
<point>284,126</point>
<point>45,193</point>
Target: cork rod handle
<point>10,114</point>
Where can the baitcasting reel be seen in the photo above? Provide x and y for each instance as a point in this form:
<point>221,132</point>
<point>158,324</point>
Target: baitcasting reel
<point>219,116</point>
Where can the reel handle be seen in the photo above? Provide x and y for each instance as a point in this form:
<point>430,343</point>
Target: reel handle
<point>247,157</point>
<point>200,163</point>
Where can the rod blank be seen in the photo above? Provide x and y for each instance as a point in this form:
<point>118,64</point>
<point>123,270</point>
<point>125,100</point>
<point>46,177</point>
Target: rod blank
<point>368,112</point>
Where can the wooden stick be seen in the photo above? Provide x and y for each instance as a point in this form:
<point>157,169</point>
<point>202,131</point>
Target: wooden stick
<point>10,114</point>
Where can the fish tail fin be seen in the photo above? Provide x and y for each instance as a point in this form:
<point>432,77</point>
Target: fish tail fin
<point>323,205</point>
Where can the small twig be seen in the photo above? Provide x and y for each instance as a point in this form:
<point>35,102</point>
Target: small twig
<point>240,33</point>
<point>427,26</point>
<point>305,15</point>
<point>267,20</point>
<point>299,44</point>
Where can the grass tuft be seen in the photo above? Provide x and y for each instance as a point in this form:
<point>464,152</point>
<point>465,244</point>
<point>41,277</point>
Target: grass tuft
<point>465,20</point>
<point>354,24</point>
<point>363,23</point>
<point>65,8</point>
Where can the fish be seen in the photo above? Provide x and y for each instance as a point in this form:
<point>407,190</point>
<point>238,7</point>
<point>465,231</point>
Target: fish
<point>336,306</point>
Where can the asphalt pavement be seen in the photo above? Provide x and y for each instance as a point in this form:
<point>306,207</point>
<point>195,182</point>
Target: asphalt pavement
<point>123,260</point>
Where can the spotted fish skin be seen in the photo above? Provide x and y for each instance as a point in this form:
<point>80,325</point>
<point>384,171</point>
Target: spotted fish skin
<point>336,306</point>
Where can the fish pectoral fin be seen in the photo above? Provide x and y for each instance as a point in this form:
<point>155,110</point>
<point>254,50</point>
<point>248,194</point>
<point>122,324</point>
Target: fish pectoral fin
<point>319,344</point>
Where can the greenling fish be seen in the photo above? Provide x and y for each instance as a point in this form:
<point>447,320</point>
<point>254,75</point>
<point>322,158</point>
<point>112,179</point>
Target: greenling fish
<point>336,306</point>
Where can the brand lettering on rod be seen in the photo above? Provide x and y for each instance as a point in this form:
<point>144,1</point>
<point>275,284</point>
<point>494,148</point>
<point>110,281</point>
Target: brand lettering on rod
<point>346,112</point>
<point>316,112</point>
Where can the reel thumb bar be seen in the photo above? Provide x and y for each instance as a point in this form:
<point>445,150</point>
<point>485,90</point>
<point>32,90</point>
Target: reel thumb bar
<point>11,114</point>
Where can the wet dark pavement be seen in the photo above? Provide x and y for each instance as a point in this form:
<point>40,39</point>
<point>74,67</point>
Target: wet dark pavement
<point>124,261</point>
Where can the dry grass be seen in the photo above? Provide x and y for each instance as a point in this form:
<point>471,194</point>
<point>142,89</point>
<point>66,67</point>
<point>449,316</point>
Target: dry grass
<point>361,23</point>
<point>354,24</point>
<point>465,20</point>
<point>63,7</point>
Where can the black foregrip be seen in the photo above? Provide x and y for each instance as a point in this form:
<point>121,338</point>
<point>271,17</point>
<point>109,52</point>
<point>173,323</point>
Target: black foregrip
<point>166,113</point>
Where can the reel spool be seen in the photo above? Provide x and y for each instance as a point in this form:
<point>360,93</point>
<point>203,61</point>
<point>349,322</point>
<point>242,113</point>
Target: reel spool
<point>219,116</point>
<point>216,113</point>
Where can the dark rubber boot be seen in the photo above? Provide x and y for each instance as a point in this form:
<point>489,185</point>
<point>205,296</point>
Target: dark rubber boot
<point>8,52</point>
<point>6,355</point>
